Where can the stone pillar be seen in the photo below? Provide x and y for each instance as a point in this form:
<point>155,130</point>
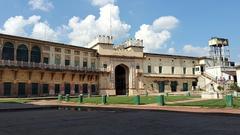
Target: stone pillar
<point>80,89</point>
<point>72,90</point>
<point>15,52</point>
<point>29,53</point>
<point>29,89</point>
<point>1,48</point>
<point>62,91</point>
<point>1,89</point>
<point>89,89</point>
<point>51,89</point>
<point>40,89</point>
<point>14,89</point>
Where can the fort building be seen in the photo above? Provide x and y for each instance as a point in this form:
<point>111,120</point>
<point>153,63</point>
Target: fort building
<point>30,67</point>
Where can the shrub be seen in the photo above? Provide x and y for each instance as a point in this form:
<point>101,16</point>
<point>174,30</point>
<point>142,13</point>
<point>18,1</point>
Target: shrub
<point>220,88</point>
<point>235,87</point>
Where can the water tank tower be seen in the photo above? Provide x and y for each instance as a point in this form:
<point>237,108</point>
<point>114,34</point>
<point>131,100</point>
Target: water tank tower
<point>219,51</point>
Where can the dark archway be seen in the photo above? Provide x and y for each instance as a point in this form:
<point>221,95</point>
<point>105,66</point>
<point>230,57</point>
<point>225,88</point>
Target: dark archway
<point>121,79</point>
<point>8,51</point>
<point>36,54</point>
<point>22,53</point>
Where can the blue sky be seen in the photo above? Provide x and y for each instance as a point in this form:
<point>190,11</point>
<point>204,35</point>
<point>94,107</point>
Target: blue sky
<point>181,26</point>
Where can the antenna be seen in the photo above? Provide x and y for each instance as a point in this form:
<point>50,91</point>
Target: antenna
<point>45,32</point>
<point>110,21</point>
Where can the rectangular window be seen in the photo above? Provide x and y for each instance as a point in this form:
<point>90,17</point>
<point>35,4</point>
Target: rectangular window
<point>184,70</point>
<point>104,65</point>
<point>57,89</point>
<point>46,48</point>
<point>149,69</point>
<point>58,50</point>
<point>172,70</point>
<point>137,67</point>
<point>85,88</point>
<point>193,71</point>
<point>160,69</point>
<point>67,51</point>
<point>76,88</point>
<point>93,63</point>
<point>57,60</point>
<point>67,88</point>
<point>45,60</point>
<point>76,52</point>
<point>34,88</point>
<point>85,54</point>
<point>7,88</point>
<point>173,86</point>
<point>85,63</point>
<point>185,87</point>
<point>45,88</point>
<point>76,62</point>
<point>93,88</point>
<point>21,89</point>
<point>67,62</point>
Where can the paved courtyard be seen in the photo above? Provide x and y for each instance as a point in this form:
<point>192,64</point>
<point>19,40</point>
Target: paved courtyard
<point>71,122</point>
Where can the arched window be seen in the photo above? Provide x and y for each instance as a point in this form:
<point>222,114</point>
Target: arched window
<point>36,54</point>
<point>8,51</point>
<point>22,53</point>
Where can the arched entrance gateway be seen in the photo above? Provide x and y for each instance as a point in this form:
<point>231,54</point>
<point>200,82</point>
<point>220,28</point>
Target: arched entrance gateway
<point>121,79</point>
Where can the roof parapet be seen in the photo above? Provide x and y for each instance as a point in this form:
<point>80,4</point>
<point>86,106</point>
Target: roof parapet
<point>101,39</point>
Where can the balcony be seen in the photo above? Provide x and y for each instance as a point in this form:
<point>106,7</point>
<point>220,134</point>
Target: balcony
<point>105,70</point>
<point>32,65</point>
<point>155,75</point>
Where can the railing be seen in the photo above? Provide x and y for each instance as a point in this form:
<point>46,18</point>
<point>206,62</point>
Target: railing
<point>170,75</point>
<point>209,77</point>
<point>22,64</point>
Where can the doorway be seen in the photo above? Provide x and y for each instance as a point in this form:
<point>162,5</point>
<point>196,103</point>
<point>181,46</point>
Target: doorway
<point>121,79</point>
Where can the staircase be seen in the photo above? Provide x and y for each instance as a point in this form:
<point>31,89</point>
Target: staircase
<point>207,80</point>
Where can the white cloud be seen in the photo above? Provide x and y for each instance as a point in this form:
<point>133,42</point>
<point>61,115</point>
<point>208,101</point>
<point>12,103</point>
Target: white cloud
<point>101,2</point>
<point>195,50</point>
<point>44,5</point>
<point>42,30</point>
<point>165,23</point>
<point>156,35</point>
<point>29,27</point>
<point>171,50</point>
<point>84,31</point>
<point>16,25</point>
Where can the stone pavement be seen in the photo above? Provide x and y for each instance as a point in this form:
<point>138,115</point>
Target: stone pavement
<point>142,107</point>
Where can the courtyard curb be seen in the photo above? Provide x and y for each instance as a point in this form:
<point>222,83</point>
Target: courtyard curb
<point>152,107</point>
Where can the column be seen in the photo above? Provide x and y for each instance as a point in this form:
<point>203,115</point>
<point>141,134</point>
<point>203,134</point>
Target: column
<point>40,89</point>
<point>72,90</point>
<point>80,89</point>
<point>2,44</point>
<point>1,89</point>
<point>15,52</point>
<point>29,52</point>
<point>62,91</point>
<point>28,89</point>
<point>89,89</point>
<point>14,89</point>
<point>51,89</point>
